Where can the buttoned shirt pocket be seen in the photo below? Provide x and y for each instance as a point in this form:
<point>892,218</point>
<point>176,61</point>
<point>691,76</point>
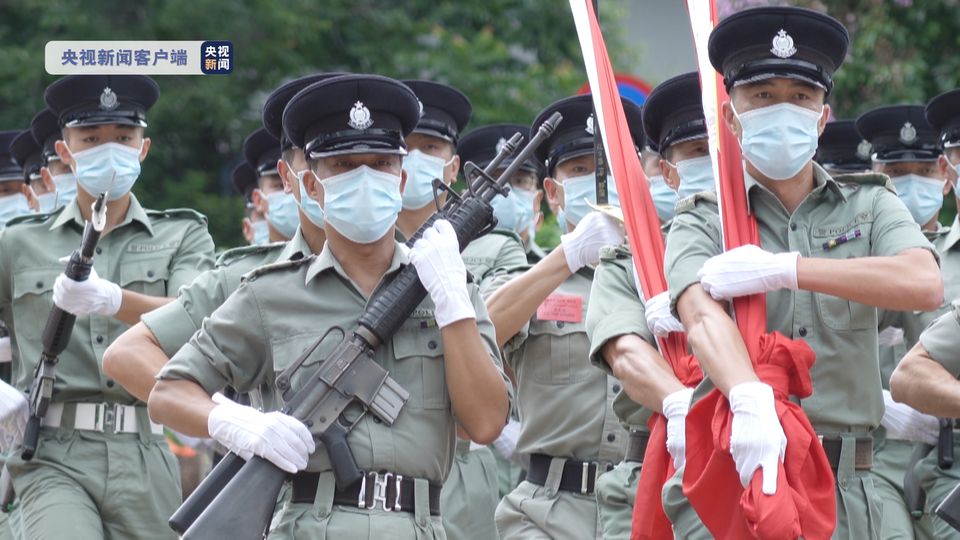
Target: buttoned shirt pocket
<point>419,366</point>
<point>557,352</point>
<point>33,300</point>
<point>838,313</point>
<point>146,276</point>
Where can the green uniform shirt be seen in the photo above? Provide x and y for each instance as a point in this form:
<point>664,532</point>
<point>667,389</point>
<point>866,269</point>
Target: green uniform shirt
<point>499,250</point>
<point>565,404</point>
<point>843,334</point>
<point>616,310</point>
<point>174,323</point>
<point>942,339</point>
<point>150,252</point>
<point>281,309</point>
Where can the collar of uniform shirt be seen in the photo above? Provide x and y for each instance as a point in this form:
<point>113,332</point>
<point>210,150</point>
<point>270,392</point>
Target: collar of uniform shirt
<point>71,212</point>
<point>326,261</point>
<point>820,176</point>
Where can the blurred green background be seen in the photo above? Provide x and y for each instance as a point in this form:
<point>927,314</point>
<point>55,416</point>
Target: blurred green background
<point>511,57</point>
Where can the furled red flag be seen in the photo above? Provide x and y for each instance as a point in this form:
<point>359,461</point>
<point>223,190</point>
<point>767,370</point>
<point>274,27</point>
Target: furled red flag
<point>646,242</point>
<point>804,504</point>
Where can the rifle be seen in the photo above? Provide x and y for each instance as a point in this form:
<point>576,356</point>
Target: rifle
<point>56,334</point>
<point>243,508</point>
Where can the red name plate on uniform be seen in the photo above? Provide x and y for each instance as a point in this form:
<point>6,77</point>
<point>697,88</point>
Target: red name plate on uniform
<point>561,307</point>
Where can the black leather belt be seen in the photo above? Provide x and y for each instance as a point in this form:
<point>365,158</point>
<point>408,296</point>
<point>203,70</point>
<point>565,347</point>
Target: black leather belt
<point>578,476</point>
<point>637,446</point>
<point>392,491</point>
<point>864,452</point>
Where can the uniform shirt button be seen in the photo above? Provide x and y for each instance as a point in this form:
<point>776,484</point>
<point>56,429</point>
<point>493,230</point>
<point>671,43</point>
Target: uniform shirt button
<point>39,284</point>
<point>793,226</point>
<point>432,345</point>
<point>99,339</point>
<point>149,273</point>
<point>616,388</point>
<point>99,250</point>
<point>802,331</point>
<point>110,383</point>
<point>560,324</point>
<point>611,437</point>
<point>376,420</point>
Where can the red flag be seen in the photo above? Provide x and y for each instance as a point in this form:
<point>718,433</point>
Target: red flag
<point>805,503</point>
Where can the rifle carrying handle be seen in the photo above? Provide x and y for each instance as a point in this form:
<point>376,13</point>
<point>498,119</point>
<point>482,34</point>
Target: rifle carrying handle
<point>30,435</point>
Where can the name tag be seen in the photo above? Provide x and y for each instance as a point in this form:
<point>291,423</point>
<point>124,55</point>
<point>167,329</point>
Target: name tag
<point>561,307</point>
<point>143,248</point>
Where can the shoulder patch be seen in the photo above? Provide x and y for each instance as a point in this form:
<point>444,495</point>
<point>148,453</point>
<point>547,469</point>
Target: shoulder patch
<point>866,179</point>
<point>273,268</point>
<point>687,204</point>
<point>235,254</point>
<point>29,218</point>
<point>187,213</point>
<point>612,253</point>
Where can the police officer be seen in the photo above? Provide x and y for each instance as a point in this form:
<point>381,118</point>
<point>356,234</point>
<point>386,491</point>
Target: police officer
<point>664,197</point>
<point>567,423</point>
<point>778,65</point>
<point>27,155</point>
<point>13,202</point>
<point>262,152</point>
<point>352,130</point>
<point>88,460</point>
<point>256,230</point>
<point>55,175</point>
<point>842,150</point>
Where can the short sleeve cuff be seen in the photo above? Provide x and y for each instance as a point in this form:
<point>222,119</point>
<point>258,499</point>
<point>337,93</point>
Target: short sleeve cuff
<point>611,327</point>
<point>190,365</point>
<point>171,325</point>
<point>941,340</point>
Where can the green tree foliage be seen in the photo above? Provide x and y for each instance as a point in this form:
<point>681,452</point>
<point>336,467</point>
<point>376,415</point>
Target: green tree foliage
<point>511,57</point>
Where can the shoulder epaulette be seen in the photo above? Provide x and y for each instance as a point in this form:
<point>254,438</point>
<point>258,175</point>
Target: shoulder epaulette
<point>277,267</point>
<point>29,218</point>
<point>687,204</point>
<point>508,234</point>
<point>612,253</point>
<point>231,255</point>
<point>866,179</point>
<point>177,213</point>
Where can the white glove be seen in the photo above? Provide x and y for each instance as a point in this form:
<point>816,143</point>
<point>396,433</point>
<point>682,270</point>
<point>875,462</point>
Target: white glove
<point>506,444</point>
<point>757,440</point>
<point>14,413</point>
<point>905,423</point>
<point>748,270</point>
<point>94,296</point>
<point>582,246</point>
<point>277,437</point>
<point>675,408</point>
<point>6,352</point>
<point>659,319</point>
<point>890,336</point>
<point>437,259</point>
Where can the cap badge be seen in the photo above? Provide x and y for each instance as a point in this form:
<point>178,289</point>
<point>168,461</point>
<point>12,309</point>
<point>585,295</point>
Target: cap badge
<point>589,128</point>
<point>783,45</point>
<point>360,116</point>
<point>108,99</point>
<point>864,149</point>
<point>500,144</point>
<point>908,134</point>
<point>421,108</point>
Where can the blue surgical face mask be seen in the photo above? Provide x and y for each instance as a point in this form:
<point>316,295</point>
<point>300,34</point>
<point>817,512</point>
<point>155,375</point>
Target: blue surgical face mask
<point>362,204</point>
<point>13,206</point>
<point>664,197</point>
<point>780,139</point>
<point>66,187</point>
<point>515,211</point>
<point>922,196</point>
<point>421,169</point>
<point>575,191</point>
<point>261,232</point>
<point>696,175</point>
<point>282,213</point>
<point>48,202</point>
<point>308,206</point>
<point>95,169</point>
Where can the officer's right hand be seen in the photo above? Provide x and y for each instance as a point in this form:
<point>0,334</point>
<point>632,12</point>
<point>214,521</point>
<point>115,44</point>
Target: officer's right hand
<point>675,408</point>
<point>659,319</point>
<point>757,440</point>
<point>14,413</point>
<point>582,246</point>
<point>279,438</point>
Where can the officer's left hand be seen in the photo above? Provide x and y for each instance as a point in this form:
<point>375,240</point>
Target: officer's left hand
<point>595,231</point>
<point>94,296</point>
<point>748,270</point>
<point>659,319</point>
<point>14,413</point>
<point>675,408</point>
<point>757,440</point>
<point>506,444</point>
<point>437,259</point>
<point>905,423</point>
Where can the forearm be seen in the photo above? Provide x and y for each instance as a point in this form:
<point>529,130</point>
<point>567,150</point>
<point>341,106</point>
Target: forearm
<point>134,360</point>
<point>181,405</point>
<point>715,339</point>
<point>645,375</point>
<point>517,300</point>
<point>867,280</point>
<point>922,383</point>
<point>476,387</point>
<point>135,304</point>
